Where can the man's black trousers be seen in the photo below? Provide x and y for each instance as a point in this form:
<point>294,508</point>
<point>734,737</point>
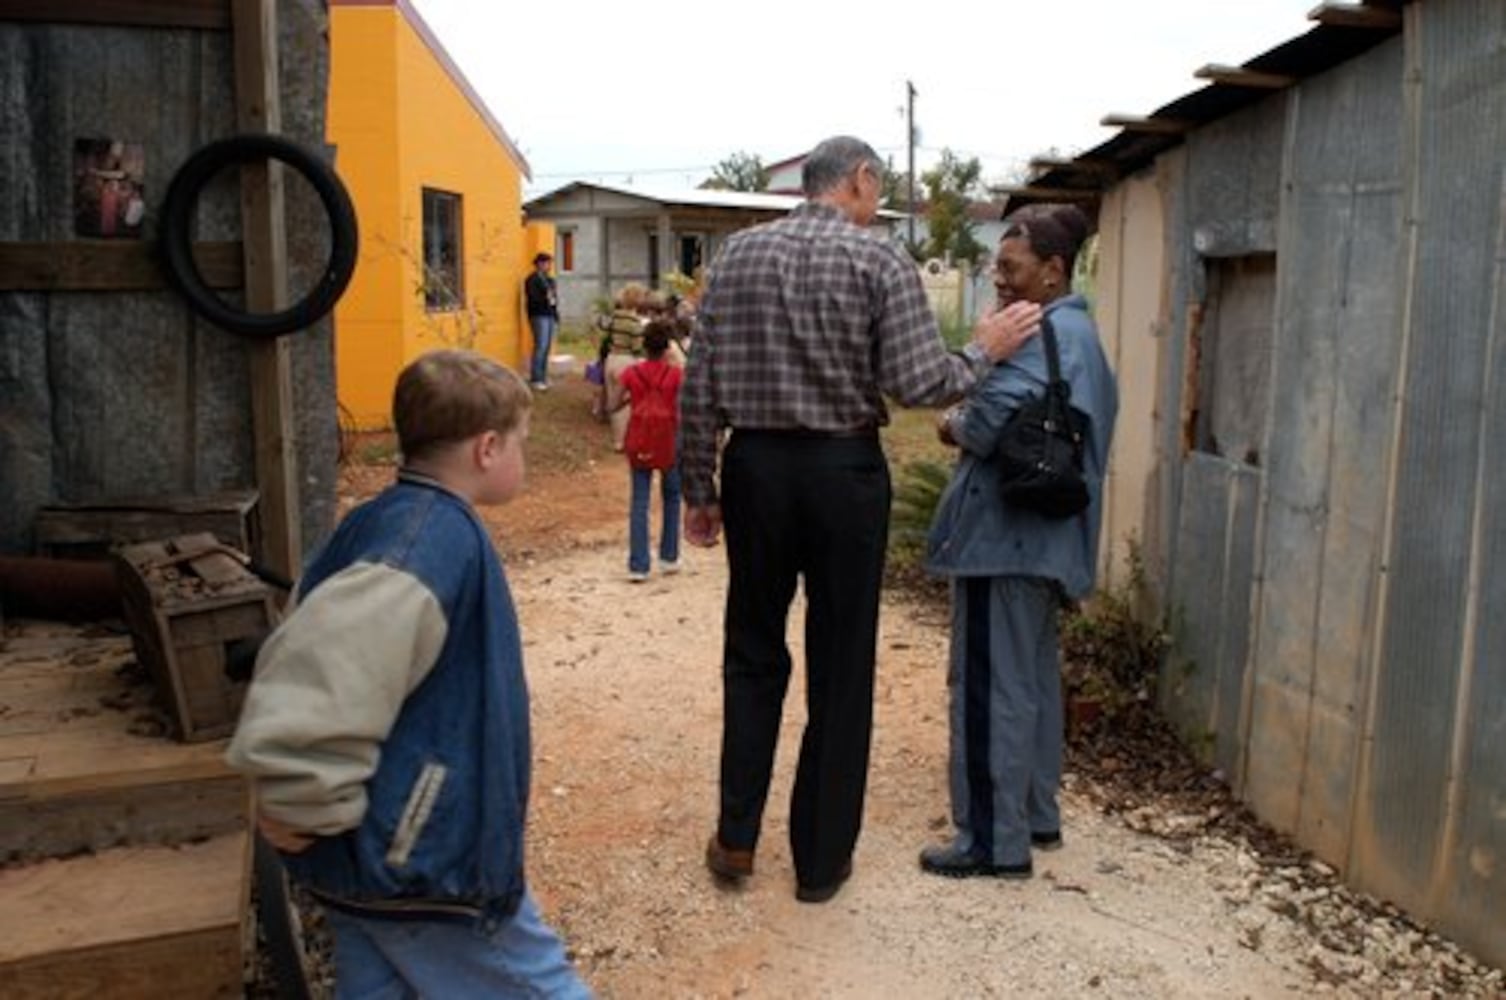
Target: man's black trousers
<point>813,507</point>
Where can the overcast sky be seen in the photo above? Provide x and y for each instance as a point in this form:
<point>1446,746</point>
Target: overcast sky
<point>658,91</point>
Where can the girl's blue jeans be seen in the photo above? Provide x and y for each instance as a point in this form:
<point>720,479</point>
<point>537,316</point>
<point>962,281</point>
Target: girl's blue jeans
<point>669,534</point>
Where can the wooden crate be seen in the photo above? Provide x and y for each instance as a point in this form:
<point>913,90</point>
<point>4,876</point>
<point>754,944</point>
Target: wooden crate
<point>91,530</point>
<point>192,608</point>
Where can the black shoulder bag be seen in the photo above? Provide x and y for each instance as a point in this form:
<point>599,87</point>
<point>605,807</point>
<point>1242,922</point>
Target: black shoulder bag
<point>1040,449</point>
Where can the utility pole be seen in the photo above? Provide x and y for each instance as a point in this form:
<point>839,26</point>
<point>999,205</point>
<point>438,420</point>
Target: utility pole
<point>910,143</point>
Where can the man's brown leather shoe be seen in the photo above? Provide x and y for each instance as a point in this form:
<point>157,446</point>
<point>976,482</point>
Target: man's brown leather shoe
<point>728,862</point>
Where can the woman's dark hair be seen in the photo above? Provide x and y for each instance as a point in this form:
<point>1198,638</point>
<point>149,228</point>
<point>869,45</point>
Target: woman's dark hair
<point>1052,230</point>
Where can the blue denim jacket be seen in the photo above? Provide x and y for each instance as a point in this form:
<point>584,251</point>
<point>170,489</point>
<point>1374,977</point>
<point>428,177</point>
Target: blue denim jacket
<point>974,533</point>
<point>457,756</point>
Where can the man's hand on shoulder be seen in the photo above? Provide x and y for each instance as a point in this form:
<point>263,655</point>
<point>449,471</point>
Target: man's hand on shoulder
<point>1000,334</point>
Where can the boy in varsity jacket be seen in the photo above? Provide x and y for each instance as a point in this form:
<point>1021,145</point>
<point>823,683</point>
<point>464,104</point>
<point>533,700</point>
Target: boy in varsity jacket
<point>386,728</point>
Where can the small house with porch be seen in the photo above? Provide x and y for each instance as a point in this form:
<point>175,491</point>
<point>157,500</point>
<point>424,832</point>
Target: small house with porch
<point>607,236</point>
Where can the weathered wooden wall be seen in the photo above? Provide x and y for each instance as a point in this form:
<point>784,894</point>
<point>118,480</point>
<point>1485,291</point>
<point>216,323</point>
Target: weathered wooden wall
<point>112,394</point>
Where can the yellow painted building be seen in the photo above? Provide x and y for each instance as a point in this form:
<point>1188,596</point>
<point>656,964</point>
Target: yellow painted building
<point>437,185</point>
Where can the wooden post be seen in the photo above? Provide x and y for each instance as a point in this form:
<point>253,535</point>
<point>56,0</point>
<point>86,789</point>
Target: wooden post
<point>266,255</point>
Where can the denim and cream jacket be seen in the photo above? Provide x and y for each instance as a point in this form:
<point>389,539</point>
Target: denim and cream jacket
<point>389,714</point>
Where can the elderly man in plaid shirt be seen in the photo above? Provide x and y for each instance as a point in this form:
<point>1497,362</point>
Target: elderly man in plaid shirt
<point>807,324</point>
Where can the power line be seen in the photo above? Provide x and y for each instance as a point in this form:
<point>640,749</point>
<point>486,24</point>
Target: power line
<point>709,167</point>
<point>629,171</point>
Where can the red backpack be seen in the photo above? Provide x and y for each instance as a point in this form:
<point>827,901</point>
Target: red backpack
<point>655,416</point>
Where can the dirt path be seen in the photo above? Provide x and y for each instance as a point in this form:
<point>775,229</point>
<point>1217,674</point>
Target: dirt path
<point>627,713</point>
<point>626,699</point>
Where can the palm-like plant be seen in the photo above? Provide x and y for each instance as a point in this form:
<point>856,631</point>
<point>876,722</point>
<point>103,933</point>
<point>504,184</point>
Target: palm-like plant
<point>915,498</point>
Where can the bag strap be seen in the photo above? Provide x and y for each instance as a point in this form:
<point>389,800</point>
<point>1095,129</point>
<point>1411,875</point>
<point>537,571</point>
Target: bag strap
<point>1058,389</point>
<point>1053,359</point>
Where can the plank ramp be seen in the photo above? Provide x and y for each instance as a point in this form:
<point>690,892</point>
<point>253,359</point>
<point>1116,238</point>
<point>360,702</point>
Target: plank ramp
<point>123,854</point>
<point>129,922</point>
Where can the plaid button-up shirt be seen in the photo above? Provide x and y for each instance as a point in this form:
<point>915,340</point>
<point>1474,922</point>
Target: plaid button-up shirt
<point>807,323</point>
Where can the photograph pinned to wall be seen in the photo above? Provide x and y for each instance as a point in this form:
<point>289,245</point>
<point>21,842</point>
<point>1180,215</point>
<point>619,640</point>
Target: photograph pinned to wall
<point>108,195</point>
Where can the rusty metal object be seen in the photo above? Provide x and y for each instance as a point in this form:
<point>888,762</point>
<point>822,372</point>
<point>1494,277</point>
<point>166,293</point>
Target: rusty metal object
<point>72,590</point>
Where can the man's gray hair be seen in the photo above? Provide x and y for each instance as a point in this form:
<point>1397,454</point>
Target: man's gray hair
<point>833,160</point>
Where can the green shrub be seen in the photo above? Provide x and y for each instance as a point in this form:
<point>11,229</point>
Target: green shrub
<point>1111,649</point>
<point>917,491</point>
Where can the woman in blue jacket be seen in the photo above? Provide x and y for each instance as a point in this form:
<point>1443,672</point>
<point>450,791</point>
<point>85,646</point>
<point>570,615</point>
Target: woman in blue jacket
<point>1011,569</point>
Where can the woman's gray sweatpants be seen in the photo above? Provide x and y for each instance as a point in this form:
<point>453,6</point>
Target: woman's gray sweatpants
<point>1006,714</point>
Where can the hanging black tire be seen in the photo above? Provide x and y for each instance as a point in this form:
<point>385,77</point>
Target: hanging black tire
<point>177,234</point>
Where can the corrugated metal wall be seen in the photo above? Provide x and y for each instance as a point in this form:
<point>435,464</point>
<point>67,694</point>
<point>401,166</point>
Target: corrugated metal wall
<point>1340,608</point>
<point>1230,196</point>
<point>1431,810</point>
<point>1335,354</point>
<point>117,394</point>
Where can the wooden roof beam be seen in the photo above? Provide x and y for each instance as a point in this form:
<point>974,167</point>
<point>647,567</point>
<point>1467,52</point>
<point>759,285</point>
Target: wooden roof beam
<point>1047,193</point>
<point>1239,76</point>
<point>1353,15</point>
<point>1151,125</point>
<point>1094,168</point>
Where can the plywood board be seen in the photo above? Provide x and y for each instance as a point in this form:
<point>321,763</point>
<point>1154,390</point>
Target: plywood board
<point>131,922</point>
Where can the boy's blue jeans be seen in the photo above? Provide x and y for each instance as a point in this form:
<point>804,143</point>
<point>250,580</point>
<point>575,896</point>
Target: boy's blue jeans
<point>543,336</point>
<point>417,958</point>
<point>669,536</point>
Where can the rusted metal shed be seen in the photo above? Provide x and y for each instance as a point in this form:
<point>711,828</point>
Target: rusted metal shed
<point>1303,290</point>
